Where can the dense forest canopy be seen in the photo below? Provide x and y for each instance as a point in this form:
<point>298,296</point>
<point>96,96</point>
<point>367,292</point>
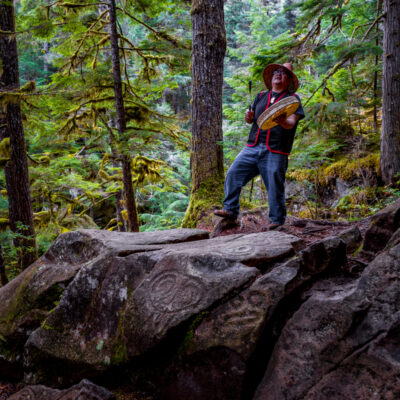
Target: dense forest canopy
<point>76,150</point>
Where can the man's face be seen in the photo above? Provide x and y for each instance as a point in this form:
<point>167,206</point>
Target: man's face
<point>280,78</point>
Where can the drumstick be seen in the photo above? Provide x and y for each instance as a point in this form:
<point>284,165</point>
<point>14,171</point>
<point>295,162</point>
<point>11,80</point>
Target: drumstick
<point>250,95</point>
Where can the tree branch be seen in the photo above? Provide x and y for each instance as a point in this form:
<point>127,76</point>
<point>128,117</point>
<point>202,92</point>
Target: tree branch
<point>331,72</point>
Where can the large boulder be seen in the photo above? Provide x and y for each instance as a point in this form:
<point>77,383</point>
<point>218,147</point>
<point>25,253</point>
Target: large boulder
<point>27,300</point>
<point>343,342</point>
<point>123,304</point>
<point>239,322</point>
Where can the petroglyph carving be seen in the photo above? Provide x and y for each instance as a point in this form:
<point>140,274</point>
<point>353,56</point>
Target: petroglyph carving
<point>245,311</point>
<point>241,250</point>
<point>172,291</point>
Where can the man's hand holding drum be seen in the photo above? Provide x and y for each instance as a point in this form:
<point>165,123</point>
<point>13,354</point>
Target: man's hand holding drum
<point>249,116</point>
<point>287,122</point>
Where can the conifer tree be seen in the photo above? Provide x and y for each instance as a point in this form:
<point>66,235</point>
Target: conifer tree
<point>11,128</point>
<point>390,136</point>
<point>121,120</point>
<point>208,51</point>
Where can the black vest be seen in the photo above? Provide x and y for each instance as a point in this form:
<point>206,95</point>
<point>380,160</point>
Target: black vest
<point>277,139</point>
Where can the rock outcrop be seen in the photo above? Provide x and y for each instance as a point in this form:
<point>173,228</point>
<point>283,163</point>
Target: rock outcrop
<point>383,224</point>
<point>257,316</point>
<point>343,343</point>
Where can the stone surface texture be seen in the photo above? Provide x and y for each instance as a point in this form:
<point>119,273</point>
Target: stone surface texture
<point>257,249</point>
<point>343,342</point>
<point>179,287</point>
<point>383,224</point>
<point>125,301</point>
<point>85,390</point>
<point>238,323</point>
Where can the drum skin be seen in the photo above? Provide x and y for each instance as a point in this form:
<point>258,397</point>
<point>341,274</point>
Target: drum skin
<point>287,106</point>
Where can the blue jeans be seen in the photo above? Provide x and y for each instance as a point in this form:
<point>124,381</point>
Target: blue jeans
<point>251,162</point>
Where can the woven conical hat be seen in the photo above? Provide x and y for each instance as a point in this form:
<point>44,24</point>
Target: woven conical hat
<point>288,106</point>
<point>269,70</point>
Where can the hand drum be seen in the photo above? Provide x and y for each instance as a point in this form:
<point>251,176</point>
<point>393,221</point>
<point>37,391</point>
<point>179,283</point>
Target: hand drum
<point>287,106</point>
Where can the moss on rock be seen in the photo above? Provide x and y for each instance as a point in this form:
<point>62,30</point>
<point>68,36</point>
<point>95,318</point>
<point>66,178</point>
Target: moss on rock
<point>346,169</point>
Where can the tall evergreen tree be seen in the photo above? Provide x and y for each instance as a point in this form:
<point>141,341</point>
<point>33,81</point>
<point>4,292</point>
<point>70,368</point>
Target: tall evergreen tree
<point>121,120</point>
<point>208,51</point>
<point>16,170</point>
<point>390,135</point>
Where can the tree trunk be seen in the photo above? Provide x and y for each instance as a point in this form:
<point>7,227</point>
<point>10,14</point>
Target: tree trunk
<point>390,134</point>
<point>121,121</point>
<point>16,170</point>
<point>375,111</point>
<point>208,51</point>
<point>129,194</point>
<point>3,275</point>
<point>118,212</point>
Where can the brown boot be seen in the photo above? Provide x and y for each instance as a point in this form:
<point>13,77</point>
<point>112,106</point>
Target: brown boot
<point>274,226</point>
<point>224,214</point>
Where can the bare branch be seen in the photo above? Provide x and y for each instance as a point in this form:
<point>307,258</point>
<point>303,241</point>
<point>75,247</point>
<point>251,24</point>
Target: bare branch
<point>372,25</point>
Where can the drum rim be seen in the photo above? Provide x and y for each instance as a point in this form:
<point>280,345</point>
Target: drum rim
<point>281,103</point>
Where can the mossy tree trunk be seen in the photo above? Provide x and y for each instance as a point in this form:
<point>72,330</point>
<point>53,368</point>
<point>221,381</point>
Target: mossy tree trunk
<point>390,134</point>
<point>208,52</point>
<point>121,120</point>
<point>16,170</point>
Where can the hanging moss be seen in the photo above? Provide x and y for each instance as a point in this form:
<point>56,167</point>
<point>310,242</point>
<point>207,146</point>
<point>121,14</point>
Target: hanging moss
<point>5,149</point>
<point>4,222</point>
<point>146,168</point>
<point>29,87</point>
<point>137,113</point>
<point>45,160</point>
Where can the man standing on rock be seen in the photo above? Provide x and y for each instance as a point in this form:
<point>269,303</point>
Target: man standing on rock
<point>267,151</point>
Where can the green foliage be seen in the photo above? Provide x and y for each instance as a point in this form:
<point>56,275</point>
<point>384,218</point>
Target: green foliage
<point>68,105</point>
